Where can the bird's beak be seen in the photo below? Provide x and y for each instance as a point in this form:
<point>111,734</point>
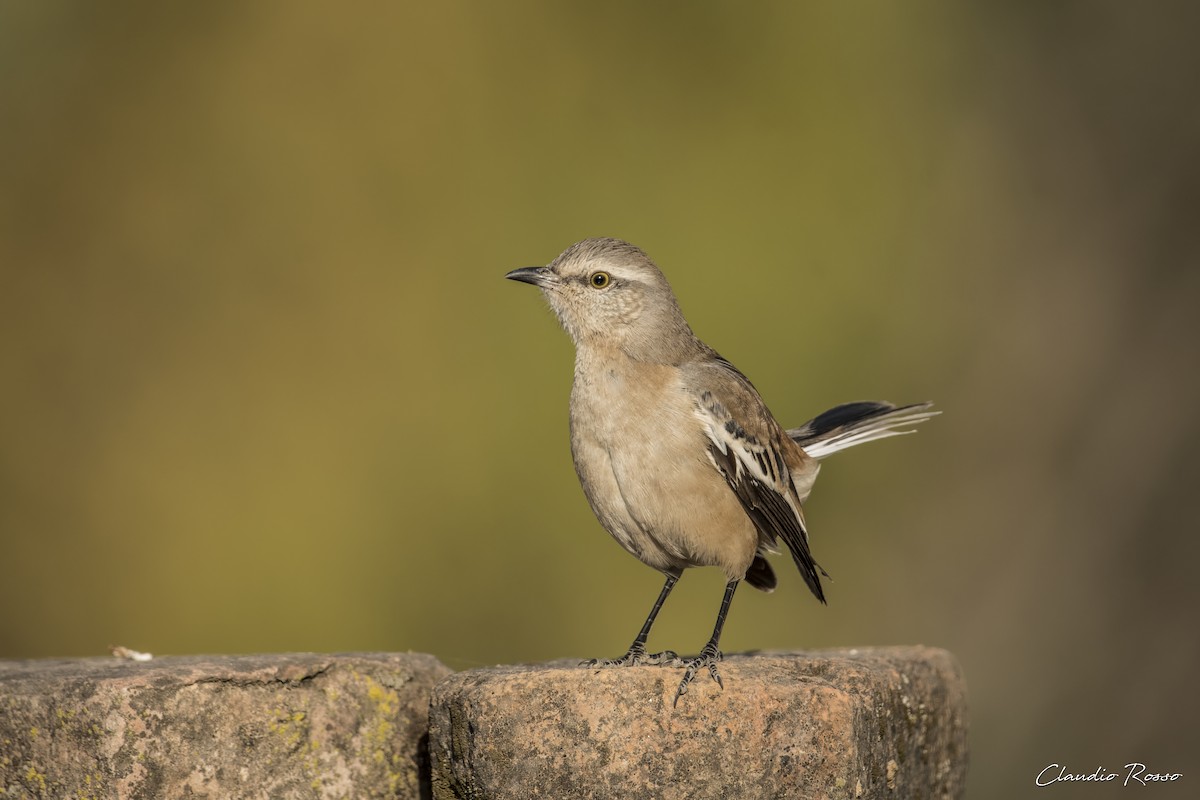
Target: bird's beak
<point>541,277</point>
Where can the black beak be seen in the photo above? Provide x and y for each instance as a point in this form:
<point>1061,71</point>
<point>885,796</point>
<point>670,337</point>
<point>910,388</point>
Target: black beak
<point>538,276</point>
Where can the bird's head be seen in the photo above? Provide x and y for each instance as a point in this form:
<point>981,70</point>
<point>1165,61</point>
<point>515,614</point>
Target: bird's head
<point>608,293</point>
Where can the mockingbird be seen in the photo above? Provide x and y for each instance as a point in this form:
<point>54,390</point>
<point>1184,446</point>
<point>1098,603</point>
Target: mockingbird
<point>678,455</point>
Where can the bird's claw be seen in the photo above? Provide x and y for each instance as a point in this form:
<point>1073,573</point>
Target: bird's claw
<point>709,657</point>
<point>637,656</point>
<point>667,658</point>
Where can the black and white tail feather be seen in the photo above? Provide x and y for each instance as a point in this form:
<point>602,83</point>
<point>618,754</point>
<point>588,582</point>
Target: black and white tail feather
<point>853,424</point>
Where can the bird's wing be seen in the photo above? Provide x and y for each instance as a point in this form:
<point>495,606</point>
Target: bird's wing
<point>757,460</point>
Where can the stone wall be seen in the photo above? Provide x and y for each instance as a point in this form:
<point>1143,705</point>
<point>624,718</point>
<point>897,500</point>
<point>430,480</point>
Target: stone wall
<point>868,723</point>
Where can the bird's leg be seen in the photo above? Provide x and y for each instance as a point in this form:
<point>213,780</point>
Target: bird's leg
<point>710,656</point>
<point>637,651</point>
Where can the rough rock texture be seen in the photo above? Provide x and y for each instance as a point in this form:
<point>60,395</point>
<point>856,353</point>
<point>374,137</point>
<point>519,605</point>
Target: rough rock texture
<point>271,726</point>
<point>885,723</point>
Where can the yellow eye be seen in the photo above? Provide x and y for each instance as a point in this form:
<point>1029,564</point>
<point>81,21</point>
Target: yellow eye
<point>600,279</point>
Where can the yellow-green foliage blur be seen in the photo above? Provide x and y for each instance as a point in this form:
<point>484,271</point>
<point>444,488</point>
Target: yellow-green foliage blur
<point>264,387</point>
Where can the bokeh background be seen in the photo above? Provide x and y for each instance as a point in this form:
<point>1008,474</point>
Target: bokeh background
<point>265,389</point>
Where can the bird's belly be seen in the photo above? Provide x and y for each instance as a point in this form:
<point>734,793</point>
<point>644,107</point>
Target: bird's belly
<point>684,505</point>
<point>649,481</point>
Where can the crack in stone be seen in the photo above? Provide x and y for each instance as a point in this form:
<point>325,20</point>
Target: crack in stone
<point>269,681</point>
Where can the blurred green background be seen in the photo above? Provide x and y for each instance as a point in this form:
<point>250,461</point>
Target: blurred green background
<point>264,387</point>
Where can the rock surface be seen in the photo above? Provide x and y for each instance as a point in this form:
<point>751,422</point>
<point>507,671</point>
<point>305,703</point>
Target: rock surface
<point>866,723</point>
<point>271,726</point>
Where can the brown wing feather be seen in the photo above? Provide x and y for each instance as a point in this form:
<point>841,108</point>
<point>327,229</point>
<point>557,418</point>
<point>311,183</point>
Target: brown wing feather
<point>771,514</point>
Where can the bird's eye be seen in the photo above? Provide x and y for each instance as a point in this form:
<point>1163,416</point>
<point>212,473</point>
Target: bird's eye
<point>600,280</point>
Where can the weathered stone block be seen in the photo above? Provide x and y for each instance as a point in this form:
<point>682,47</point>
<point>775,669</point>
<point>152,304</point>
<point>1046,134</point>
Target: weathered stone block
<point>866,723</point>
<point>267,726</point>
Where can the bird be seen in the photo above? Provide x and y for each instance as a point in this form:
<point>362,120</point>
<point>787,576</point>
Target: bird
<point>678,455</point>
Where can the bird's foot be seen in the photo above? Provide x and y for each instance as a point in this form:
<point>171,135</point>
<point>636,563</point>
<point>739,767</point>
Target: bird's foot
<point>667,658</point>
<point>636,656</point>
<point>709,657</point>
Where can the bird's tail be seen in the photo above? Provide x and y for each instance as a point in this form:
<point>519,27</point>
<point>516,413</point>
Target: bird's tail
<point>855,423</point>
